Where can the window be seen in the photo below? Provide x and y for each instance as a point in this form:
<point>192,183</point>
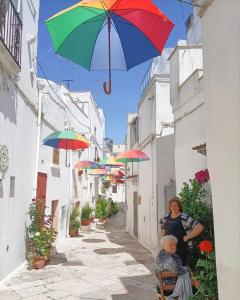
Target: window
<point>12,187</point>
<point>56,157</point>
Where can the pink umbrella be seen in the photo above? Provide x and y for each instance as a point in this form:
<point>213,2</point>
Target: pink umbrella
<point>86,164</point>
<point>132,156</point>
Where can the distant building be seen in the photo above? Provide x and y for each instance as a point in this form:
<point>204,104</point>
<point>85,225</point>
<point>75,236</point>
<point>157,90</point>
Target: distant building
<point>118,148</point>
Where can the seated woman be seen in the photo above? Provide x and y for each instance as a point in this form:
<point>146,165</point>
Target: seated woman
<point>168,261</point>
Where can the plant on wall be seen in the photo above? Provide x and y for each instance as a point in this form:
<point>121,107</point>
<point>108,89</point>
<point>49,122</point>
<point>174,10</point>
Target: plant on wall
<point>195,198</point>
<point>41,235</point>
<point>74,224</point>
<point>206,273</point>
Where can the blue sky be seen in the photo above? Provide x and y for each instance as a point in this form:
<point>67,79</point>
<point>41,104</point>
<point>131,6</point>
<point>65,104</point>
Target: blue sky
<point>126,85</point>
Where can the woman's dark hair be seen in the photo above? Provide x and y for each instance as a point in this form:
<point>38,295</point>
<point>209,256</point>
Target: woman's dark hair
<point>175,200</point>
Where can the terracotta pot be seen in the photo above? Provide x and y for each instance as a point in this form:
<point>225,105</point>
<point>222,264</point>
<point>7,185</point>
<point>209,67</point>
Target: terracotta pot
<point>85,222</point>
<point>73,233</point>
<point>39,262</point>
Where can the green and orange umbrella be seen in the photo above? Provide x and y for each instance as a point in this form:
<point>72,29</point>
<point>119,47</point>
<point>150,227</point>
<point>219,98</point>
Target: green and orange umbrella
<point>110,34</point>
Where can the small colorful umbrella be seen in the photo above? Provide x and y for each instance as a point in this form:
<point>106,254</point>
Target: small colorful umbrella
<point>132,156</point>
<point>98,172</point>
<point>68,140</point>
<point>86,164</point>
<point>111,162</point>
<point>110,34</point>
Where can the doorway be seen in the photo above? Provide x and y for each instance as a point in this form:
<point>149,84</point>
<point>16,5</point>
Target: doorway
<point>135,212</point>
<point>55,215</point>
<point>41,191</point>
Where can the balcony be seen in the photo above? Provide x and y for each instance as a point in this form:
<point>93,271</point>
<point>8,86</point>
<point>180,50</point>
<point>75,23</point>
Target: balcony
<point>10,36</point>
<point>159,65</point>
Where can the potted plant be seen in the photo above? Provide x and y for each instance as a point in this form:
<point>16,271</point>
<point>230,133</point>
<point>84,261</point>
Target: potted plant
<point>74,225</point>
<point>206,274</point>
<point>85,216</point>
<point>40,235</point>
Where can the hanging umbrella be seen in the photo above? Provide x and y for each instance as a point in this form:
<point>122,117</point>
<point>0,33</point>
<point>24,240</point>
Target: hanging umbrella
<point>132,156</point>
<point>68,140</point>
<point>86,164</point>
<point>98,172</point>
<point>109,34</point>
<point>118,174</point>
<point>110,162</point>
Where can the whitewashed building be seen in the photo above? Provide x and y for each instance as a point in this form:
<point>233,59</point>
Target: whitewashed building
<point>153,127</point>
<point>188,102</point>
<point>18,126</point>
<point>59,182</point>
<point>221,48</point>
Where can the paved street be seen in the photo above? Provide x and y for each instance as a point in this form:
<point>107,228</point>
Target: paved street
<point>98,265</point>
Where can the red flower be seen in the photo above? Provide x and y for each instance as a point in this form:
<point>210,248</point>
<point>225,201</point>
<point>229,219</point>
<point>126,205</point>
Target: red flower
<point>206,246</point>
<point>202,176</point>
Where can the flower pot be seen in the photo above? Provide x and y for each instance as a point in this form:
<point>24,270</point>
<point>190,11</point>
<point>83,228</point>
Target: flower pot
<point>85,222</point>
<point>39,262</point>
<point>73,233</point>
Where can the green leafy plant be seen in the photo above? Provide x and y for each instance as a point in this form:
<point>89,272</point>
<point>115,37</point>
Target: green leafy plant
<point>40,232</point>
<point>206,274</point>
<point>86,212</point>
<point>193,197</point>
<point>114,208</point>
<point>74,224</point>
<point>98,211</point>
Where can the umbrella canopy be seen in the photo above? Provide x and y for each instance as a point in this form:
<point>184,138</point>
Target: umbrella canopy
<point>67,139</point>
<point>86,164</point>
<point>111,162</point>
<point>132,156</point>
<point>118,174</point>
<point>109,34</point>
<point>98,172</point>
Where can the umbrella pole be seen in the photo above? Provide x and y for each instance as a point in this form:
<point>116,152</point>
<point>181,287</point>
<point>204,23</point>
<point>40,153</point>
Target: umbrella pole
<point>108,89</point>
<point>66,161</point>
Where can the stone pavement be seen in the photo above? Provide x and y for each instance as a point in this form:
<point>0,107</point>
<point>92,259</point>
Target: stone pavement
<point>99,265</point>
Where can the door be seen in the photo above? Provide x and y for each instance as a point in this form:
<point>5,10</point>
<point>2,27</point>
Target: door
<point>54,214</point>
<point>135,211</point>
<point>41,190</point>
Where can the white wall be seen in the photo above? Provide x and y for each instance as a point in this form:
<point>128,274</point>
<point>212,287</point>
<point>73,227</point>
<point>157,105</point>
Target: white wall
<point>221,48</point>
<point>83,116</point>
<point>18,133</point>
<point>189,110</point>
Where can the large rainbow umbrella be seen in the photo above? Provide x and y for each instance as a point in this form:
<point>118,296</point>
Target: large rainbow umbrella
<point>67,139</point>
<point>110,34</point>
<point>98,172</point>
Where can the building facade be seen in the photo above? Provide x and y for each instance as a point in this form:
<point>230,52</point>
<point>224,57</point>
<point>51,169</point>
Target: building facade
<point>64,185</point>
<point>18,119</point>
<point>154,127</point>
<point>221,48</point>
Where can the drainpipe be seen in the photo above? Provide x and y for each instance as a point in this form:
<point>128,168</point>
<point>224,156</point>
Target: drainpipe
<point>38,139</point>
<point>69,204</point>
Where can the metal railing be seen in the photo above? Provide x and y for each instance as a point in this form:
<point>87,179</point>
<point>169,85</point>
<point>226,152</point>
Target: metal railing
<point>11,29</point>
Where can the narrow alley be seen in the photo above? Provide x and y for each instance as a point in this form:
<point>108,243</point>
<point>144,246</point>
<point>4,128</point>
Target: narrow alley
<point>100,265</point>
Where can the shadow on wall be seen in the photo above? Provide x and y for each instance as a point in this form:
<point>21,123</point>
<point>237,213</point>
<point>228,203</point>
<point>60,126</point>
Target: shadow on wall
<point>8,99</point>
<point>143,284</point>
